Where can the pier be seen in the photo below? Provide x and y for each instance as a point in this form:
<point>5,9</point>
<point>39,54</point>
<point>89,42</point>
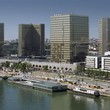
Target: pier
<point>44,85</point>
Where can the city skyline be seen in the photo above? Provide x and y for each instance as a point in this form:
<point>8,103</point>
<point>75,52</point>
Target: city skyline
<point>15,12</point>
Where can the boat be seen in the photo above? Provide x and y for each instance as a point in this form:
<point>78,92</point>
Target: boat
<point>29,83</point>
<point>84,90</point>
<point>15,78</point>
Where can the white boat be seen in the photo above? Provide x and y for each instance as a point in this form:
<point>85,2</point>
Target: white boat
<point>16,78</point>
<point>29,83</point>
<point>87,91</point>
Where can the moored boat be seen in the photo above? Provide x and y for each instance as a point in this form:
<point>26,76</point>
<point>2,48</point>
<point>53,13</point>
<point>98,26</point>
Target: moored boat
<point>84,90</point>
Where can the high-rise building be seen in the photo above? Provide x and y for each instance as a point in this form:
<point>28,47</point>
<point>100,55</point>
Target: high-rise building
<point>1,38</point>
<point>104,35</point>
<point>69,37</point>
<point>31,40</point>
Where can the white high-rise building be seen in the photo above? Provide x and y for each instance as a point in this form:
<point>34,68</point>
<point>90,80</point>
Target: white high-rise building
<point>69,37</point>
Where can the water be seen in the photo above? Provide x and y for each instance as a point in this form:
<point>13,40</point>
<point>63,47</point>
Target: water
<point>14,97</point>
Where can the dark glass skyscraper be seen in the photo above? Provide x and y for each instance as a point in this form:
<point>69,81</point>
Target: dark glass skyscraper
<point>31,40</point>
<point>1,38</point>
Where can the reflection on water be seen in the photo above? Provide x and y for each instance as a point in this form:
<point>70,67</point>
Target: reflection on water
<point>21,98</point>
<point>13,97</point>
<point>93,103</point>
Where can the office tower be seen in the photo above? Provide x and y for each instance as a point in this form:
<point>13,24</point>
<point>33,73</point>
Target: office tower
<point>69,38</point>
<point>104,35</point>
<point>1,38</point>
<point>31,40</point>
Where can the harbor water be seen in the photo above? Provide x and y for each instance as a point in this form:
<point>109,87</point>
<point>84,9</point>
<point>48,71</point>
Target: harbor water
<point>15,97</point>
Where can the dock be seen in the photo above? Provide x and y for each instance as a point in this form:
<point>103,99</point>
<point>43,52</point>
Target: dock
<point>43,85</point>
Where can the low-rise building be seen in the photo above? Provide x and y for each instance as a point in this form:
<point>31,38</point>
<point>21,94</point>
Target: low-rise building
<point>52,66</point>
<point>59,67</point>
<point>98,62</point>
<point>93,62</point>
<point>105,65</point>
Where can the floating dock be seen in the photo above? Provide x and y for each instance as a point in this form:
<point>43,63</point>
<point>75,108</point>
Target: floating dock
<point>44,85</point>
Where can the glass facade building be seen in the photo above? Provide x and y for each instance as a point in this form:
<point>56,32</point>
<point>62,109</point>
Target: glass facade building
<point>69,37</point>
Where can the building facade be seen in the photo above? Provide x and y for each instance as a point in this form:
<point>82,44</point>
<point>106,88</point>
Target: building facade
<point>104,35</point>
<point>31,40</point>
<point>58,67</point>
<point>93,62</point>
<point>69,37</point>
<point>1,38</point>
<point>105,63</point>
<point>98,62</point>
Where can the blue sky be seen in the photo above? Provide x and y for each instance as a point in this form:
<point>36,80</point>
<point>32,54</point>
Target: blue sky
<point>14,12</point>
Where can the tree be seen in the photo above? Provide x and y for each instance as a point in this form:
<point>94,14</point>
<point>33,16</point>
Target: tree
<point>2,64</point>
<point>88,72</point>
<point>79,69</point>
<point>15,66</point>
<point>7,64</point>
<point>107,75</point>
<point>45,67</point>
<point>28,66</point>
<point>22,67</point>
